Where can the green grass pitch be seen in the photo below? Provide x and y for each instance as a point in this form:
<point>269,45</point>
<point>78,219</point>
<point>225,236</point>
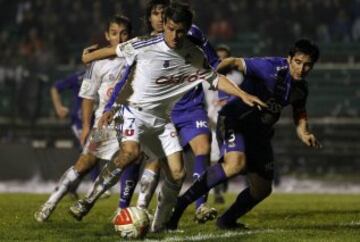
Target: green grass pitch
<point>281,217</point>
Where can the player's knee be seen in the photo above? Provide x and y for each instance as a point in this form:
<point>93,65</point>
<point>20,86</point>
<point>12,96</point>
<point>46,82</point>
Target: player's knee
<point>203,149</point>
<point>235,164</point>
<point>128,154</point>
<point>178,174</point>
<point>261,192</point>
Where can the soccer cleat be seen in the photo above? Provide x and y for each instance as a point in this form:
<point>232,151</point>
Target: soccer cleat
<point>80,209</point>
<point>204,214</point>
<point>230,225</point>
<point>44,212</point>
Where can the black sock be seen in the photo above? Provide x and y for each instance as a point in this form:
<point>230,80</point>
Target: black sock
<point>243,204</point>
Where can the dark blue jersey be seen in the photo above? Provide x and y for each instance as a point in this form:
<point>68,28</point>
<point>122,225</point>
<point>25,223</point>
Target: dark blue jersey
<point>73,83</point>
<point>270,80</point>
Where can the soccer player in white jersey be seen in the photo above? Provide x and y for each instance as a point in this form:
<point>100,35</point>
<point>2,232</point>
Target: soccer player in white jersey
<point>190,119</point>
<point>96,88</point>
<point>156,87</point>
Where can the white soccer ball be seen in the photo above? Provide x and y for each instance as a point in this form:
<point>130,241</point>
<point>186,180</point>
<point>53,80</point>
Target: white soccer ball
<point>132,223</point>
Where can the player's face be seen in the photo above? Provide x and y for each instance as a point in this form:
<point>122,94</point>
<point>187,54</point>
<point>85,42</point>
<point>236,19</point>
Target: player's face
<point>117,33</point>
<point>222,54</point>
<point>174,34</point>
<point>300,65</point>
<point>156,19</point>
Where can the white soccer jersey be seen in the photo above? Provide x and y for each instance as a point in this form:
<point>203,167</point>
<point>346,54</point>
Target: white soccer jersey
<point>162,74</point>
<point>99,81</point>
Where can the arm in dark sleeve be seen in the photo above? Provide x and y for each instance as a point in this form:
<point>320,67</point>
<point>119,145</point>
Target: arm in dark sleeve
<point>199,38</point>
<point>69,82</point>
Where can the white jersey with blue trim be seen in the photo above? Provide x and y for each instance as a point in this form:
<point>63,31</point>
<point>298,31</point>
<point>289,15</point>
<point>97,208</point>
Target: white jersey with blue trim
<point>162,75</point>
<point>99,81</point>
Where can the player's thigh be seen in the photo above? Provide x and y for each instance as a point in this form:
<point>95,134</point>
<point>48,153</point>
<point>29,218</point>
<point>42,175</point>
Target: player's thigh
<point>234,163</point>
<point>169,140</point>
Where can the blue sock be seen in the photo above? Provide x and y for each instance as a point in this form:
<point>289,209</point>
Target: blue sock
<point>200,165</point>
<point>210,178</point>
<point>94,173</point>
<point>128,181</point>
<point>243,204</point>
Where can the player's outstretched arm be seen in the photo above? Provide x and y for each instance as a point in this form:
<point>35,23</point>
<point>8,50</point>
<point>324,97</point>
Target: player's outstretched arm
<point>231,62</point>
<point>305,135</point>
<point>103,53</point>
<point>231,88</point>
<point>60,109</point>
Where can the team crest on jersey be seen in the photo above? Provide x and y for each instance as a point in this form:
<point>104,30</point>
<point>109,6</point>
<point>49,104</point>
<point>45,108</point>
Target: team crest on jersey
<point>109,91</point>
<point>166,64</point>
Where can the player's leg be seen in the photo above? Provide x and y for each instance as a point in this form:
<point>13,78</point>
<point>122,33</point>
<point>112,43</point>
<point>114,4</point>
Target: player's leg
<point>148,183</point>
<point>260,176</point>
<point>72,176</point>
<point>258,190</point>
<point>128,181</point>
<point>200,146</point>
<point>110,174</point>
<point>107,178</point>
<point>169,190</point>
<point>234,163</point>
<point>174,175</point>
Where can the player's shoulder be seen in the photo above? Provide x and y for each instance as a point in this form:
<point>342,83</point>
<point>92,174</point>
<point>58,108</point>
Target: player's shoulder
<point>146,41</point>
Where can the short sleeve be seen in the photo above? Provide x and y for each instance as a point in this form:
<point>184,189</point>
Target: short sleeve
<point>67,83</point>
<point>126,50</point>
<point>91,82</point>
<point>257,67</point>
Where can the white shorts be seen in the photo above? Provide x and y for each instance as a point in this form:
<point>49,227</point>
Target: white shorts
<point>157,134</point>
<point>104,149</point>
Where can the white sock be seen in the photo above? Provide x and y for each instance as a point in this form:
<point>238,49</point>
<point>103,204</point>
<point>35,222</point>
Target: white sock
<point>67,179</point>
<point>166,202</point>
<point>148,184</point>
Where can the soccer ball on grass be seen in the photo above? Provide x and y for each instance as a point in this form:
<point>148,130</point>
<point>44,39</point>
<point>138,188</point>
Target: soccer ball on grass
<point>132,223</point>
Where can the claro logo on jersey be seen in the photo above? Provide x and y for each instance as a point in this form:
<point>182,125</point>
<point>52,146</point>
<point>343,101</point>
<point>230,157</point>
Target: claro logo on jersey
<point>163,80</point>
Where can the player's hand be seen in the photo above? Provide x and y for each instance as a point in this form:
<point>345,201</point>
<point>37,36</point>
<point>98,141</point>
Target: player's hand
<point>219,102</point>
<point>310,140</point>
<point>84,135</point>
<point>105,119</point>
<point>253,101</point>
<point>85,58</point>
<point>62,112</point>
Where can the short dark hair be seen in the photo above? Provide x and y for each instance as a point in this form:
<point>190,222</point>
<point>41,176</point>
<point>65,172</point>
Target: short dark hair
<point>307,47</point>
<point>223,47</point>
<point>119,19</point>
<point>149,7</point>
<point>179,13</point>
